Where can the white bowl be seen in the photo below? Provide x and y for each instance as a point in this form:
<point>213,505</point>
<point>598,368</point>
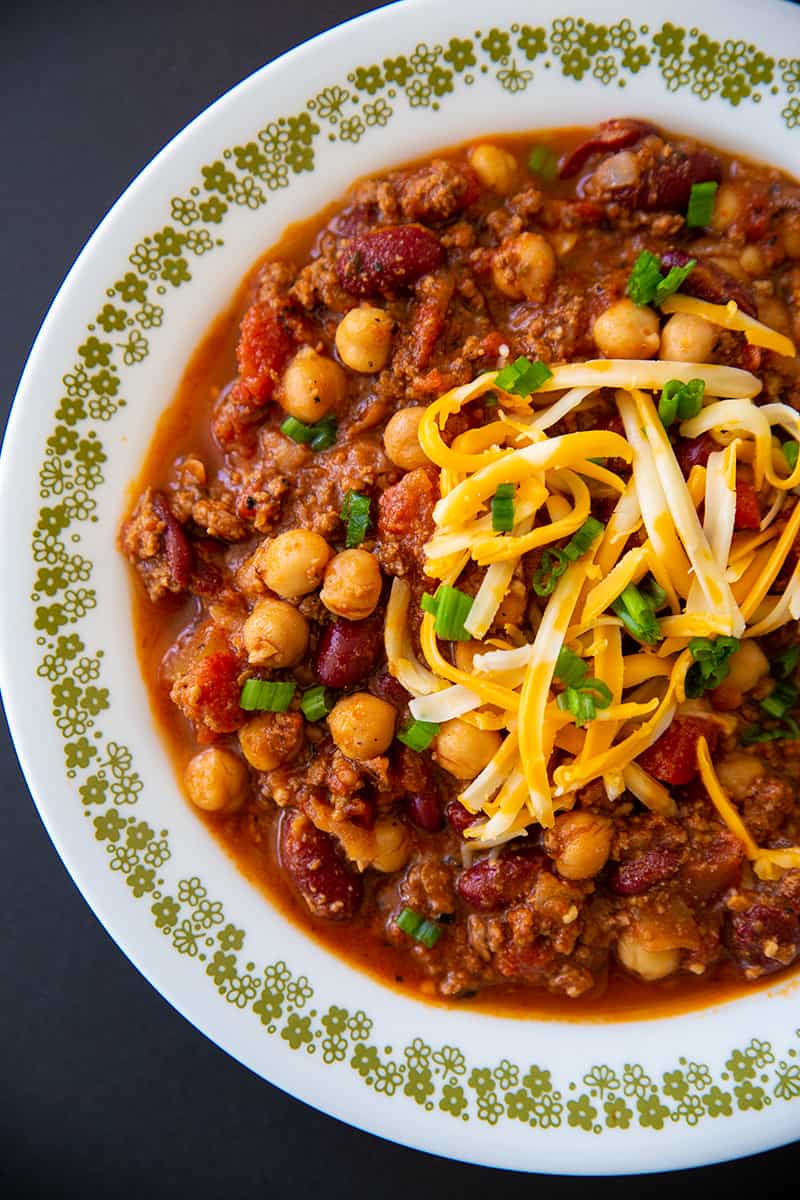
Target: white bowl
<point>544,1096</point>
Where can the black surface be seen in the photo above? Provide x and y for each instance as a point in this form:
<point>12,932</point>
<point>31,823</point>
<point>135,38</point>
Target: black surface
<point>104,1089</point>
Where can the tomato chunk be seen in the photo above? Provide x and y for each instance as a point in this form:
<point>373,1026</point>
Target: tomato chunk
<point>264,346</point>
<point>748,508</point>
<point>673,758</point>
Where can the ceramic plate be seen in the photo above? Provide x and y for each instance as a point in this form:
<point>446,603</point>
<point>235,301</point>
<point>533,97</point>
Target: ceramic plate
<point>395,84</point>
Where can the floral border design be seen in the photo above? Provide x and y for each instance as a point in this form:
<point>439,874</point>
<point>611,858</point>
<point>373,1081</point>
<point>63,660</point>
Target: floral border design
<point>130,314</point>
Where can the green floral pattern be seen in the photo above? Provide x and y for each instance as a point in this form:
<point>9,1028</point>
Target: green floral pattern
<point>607,1097</point>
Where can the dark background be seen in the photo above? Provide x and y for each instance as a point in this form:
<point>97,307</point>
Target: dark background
<point>104,1089</point>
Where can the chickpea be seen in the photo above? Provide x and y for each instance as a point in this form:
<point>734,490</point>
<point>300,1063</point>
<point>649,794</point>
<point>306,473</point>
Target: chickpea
<point>730,205</point>
<point>361,725</point>
<point>752,261</point>
<point>581,843</point>
<point>464,750</point>
<point>401,439</point>
<point>312,386</point>
<point>216,780</point>
<point>496,168</point>
<point>774,312</point>
<point>737,772</point>
<point>353,584</point>
<point>627,330</point>
<point>391,845</point>
<point>293,563</point>
<point>648,964</point>
<point>364,339</point>
<point>686,338</point>
<point>269,739</point>
<point>275,634</point>
<point>747,666</point>
<point>523,267</point>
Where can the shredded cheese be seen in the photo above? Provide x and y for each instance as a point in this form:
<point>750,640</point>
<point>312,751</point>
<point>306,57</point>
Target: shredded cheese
<point>730,316</point>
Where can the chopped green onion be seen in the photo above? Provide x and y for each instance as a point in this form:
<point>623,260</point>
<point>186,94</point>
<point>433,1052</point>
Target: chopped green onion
<point>636,613</point>
<point>264,695</point>
<point>755,733</point>
<point>355,513</point>
<point>701,204</point>
<point>316,703</point>
<point>451,608</point>
<point>319,436</point>
<point>543,162</point>
<point>711,663</point>
<point>554,561</point>
<point>418,735</point>
<point>426,932</point>
<point>646,283</point>
<point>503,508</point>
<point>522,377</point>
<point>786,662</point>
<point>790,453</point>
<point>680,401</point>
<point>598,462</point>
<point>654,594</point>
<point>782,697</point>
<point>570,667</point>
<point>584,701</point>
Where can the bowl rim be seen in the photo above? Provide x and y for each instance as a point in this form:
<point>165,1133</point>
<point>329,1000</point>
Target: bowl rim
<point>37,773</point>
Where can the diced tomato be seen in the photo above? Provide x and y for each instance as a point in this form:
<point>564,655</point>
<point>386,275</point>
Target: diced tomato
<point>748,508</point>
<point>264,346</point>
<point>673,758</point>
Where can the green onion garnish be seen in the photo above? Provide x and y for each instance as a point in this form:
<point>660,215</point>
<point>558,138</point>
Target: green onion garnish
<point>503,508</point>
<point>522,377</point>
<point>701,204</point>
<point>790,453</point>
<point>318,436</point>
<point>418,735</point>
<point>584,694</point>
<point>543,162</point>
<point>756,733</point>
<point>554,561</point>
<point>427,932</point>
<point>355,514</point>
<point>654,594</point>
<point>316,703</point>
<point>680,401</point>
<point>635,611</point>
<point>646,283</point>
<point>265,695</point>
<point>785,663</point>
<point>451,608</point>
<point>711,663</point>
<point>782,697</point>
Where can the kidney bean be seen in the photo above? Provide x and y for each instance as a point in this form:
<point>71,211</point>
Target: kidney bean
<point>709,282</point>
<point>495,884</point>
<point>673,758</point>
<point>748,507</point>
<point>694,452</point>
<point>458,817</point>
<point>347,651</point>
<point>383,260</point>
<point>613,135</point>
<point>425,810</point>
<point>765,926</point>
<point>263,349</point>
<point>329,885</point>
<point>639,874</point>
<point>384,685</point>
<point>177,547</point>
<point>667,185</point>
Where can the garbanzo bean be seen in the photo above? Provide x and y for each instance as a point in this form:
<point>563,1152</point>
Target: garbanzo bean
<point>275,634</point>
<point>401,440</point>
<point>496,168</point>
<point>353,584</point>
<point>464,750</point>
<point>312,386</point>
<point>627,330</point>
<point>523,266</point>
<point>738,771</point>
<point>730,205</point>
<point>648,964</point>
<point>364,339</point>
<point>686,338</point>
<point>293,563</point>
<point>361,725</point>
<point>271,738</point>
<point>747,666</point>
<point>580,843</point>
<point>216,780</point>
